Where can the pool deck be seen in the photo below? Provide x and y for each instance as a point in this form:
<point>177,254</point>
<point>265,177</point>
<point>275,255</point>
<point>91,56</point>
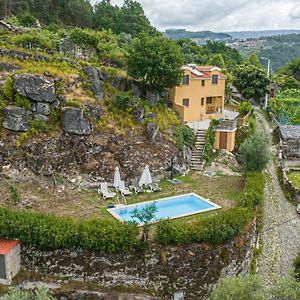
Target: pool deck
<point>215,206</point>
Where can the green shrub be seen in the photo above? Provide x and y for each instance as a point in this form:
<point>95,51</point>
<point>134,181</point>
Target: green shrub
<point>8,89</point>
<point>184,136</point>
<point>297,267</point>
<point>216,229</point>
<point>220,227</point>
<point>254,152</point>
<point>15,195</point>
<point>123,100</point>
<point>51,232</point>
<point>84,37</point>
<point>245,108</point>
<point>209,140</point>
<point>22,102</point>
<point>73,103</point>
<point>37,39</point>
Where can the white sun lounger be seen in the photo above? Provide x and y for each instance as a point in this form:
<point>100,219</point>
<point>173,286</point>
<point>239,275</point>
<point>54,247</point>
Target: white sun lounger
<point>123,189</point>
<point>104,191</point>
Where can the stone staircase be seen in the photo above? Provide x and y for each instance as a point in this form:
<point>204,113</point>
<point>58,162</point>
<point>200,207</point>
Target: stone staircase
<point>196,161</point>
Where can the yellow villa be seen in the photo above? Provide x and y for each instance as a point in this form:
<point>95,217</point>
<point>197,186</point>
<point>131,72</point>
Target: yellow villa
<point>200,98</point>
<point>201,94</point>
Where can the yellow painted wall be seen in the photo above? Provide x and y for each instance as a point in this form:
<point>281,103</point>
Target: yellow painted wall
<point>194,92</point>
<point>230,140</point>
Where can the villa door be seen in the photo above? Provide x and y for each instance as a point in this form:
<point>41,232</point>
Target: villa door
<point>223,140</point>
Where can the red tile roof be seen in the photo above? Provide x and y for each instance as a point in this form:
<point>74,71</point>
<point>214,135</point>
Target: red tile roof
<point>206,70</point>
<point>7,246</point>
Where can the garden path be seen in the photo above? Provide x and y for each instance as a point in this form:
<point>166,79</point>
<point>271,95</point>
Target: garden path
<point>281,243</point>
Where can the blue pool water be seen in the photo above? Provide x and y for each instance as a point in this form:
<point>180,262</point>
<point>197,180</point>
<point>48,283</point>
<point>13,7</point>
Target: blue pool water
<point>172,207</point>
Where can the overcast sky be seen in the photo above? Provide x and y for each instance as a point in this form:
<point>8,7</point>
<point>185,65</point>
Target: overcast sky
<point>222,15</point>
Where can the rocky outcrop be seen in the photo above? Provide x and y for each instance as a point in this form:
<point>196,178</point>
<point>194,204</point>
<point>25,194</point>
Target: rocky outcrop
<point>8,67</point>
<point>15,118</point>
<point>35,88</point>
<point>73,121</point>
<point>67,47</point>
<point>151,131</point>
<point>95,78</point>
<point>138,113</point>
<point>152,97</point>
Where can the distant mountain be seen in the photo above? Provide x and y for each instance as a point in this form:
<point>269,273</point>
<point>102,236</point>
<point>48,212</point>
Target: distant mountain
<point>177,34</point>
<point>258,34</point>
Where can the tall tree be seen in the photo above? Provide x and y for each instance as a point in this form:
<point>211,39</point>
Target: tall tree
<point>253,60</point>
<point>156,61</point>
<point>105,15</point>
<point>132,19</point>
<point>251,81</point>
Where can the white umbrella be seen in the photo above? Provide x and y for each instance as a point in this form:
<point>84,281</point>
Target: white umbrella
<point>117,178</point>
<point>146,177</point>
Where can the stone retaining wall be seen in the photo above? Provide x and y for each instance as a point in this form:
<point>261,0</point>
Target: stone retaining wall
<point>195,268</point>
<point>289,185</point>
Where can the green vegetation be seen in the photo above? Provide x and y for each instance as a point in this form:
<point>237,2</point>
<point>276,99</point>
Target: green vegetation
<point>209,140</point>
<point>155,61</point>
<point>252,288</point>
<point>220,227</point>
<point>145,216</point>
<point>184,136</point>
<point>50,232</point>
<point>297,267</point>
<point>245,108</point>
<point>286,107</point>
<point>15,195</point>
<point>41,293</point>
<point>254,152</point>
<point>129,18</point>
<point>251,81</point>
<point>294,177</point>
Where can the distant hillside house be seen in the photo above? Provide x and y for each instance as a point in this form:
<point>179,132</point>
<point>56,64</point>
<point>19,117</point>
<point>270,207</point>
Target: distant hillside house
<point>10,261</point>
<point>200,96</point>
<point>289,136</point>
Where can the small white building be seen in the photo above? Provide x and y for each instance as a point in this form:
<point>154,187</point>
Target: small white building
<point>10,260</point>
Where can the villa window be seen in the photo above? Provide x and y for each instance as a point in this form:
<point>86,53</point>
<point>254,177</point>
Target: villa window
<point>215,79</point>
<point>186,80</point>
<point>202,101</point>
<point>202,82</point>
<point>186,102</point>
<point>208,100</point>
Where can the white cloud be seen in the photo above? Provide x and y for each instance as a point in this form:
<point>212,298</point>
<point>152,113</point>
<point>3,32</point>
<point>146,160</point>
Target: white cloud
<point>222,15</point>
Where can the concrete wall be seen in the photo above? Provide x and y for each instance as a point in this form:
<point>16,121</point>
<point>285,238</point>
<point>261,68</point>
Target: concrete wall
<point>12,265</point>
<point>194,92</point>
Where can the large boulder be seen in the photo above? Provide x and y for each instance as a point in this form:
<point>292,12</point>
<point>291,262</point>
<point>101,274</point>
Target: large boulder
<point>15,118</point>
<point>151,131</point>
<point>33,87</point>
<point>95,78</point>
<point>73,121</point>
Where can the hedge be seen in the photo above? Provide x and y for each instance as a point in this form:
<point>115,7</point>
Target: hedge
<point>52,232</point>
<point>221,227</point>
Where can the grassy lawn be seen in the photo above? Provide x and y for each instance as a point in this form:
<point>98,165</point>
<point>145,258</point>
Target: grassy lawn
<point>79,204</point>
<point>294,177</point>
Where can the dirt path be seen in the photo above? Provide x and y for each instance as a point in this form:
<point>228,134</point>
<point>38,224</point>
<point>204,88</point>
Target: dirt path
<point>280,243</point>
